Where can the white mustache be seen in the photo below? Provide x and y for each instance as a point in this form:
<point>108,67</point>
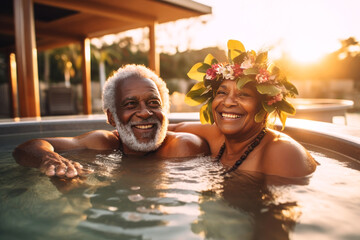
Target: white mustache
<point>151,120</point>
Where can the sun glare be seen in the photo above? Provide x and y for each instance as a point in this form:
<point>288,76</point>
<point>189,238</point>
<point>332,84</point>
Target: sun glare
<point>305,56</point>
<point>304,52</point>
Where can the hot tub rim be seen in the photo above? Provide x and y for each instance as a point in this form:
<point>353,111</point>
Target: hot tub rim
<point>343,139</point>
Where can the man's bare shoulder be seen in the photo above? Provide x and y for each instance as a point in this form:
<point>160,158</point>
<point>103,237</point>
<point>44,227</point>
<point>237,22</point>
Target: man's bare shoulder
<point>283,156</point>
<point>181,144</point>
<point>99,140</point>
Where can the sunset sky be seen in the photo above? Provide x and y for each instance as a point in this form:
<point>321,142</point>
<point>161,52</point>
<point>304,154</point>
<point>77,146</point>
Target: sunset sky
<point>306,29</point>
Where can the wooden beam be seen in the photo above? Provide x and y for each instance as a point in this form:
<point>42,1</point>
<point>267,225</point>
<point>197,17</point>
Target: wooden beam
<point>26,59</point>
<point>99,8</point>
<point>13,86</point>
<point>154,57</point>
<point>86,77</point>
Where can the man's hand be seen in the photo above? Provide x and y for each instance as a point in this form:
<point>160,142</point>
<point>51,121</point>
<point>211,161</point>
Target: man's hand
<point>42,153</point>
<point>53,164</point>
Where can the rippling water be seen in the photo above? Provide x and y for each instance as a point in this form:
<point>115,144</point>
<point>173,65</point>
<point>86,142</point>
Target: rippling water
<point>178,199</point>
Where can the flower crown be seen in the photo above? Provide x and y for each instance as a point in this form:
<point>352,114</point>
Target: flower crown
<point>243,67</point>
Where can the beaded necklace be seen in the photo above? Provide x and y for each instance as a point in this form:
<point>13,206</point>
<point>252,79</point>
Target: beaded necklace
<point>250,148</point>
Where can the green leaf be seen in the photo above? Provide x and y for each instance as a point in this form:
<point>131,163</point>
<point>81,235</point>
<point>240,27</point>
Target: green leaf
<point>282,117</point>
<point>286,107</point>
<point>240,59</point>
<point>242,81</point>
<point>268,89</point>
<point>268,108</point>
<point>262,58</point>
<point>197,71</point>
<point>260,116</point>
<point>280,75</point>
<point>210,111</point>
<point>235,48</point>
<point>291,87</point>
<point>206,113</point>
<point>251,71</point>
<point>194,97</point>
<point>203,68</point>
<point>210,60</point>
<point>273,70</point>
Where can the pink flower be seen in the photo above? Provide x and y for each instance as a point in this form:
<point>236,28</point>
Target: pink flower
<point>263,76</point>
<point>275,99</point>
<point>238,71</point>
<point>211,72</point>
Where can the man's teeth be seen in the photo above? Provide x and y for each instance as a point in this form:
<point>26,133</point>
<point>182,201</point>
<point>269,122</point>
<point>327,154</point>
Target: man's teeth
<point>229,115</point>
<point>144,126</point>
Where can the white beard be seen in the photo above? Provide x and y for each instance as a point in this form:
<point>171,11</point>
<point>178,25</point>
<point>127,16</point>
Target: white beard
<point>128,138</point>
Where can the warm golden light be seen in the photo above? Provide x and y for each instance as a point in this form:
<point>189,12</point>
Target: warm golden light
<point>306,55</point>
<point>304,30</point>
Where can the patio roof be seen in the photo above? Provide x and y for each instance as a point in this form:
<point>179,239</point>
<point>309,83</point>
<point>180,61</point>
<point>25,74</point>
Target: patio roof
<point>29,25</point>
<point>60,22</point>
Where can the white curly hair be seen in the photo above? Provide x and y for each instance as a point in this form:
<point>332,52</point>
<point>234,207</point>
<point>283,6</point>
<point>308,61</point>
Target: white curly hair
<point>132,70</point>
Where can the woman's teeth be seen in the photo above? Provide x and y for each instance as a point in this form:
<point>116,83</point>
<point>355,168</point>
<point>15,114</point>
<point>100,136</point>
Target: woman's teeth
<point>229,115</point>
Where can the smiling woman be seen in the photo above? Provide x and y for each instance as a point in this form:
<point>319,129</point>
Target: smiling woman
<point>240,121</point>
<point>239,96</point>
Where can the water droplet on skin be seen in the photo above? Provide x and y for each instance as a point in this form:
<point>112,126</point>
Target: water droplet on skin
<point>132,217</point>
<point>121,191</point>
<point>135,198</point>
<point>143,209</point>
<point>113,209</point>
<point>113,199</point>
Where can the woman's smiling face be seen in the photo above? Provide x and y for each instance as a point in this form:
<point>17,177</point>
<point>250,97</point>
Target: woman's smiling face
<point>234,109</point>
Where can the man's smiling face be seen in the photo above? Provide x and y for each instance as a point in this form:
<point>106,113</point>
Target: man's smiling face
<point>139,117</point>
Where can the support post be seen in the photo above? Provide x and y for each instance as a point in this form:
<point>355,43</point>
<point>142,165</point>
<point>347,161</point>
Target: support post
<point>86,76</point>
<point>26,59</point>
<point>14,107</point>
<point>154,57</point>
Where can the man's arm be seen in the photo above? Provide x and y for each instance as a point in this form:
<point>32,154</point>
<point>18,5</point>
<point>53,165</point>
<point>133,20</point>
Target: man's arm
<point>190,127</point>
<point>210,133</point>
<point>42,153</point>
<point>178,145</point>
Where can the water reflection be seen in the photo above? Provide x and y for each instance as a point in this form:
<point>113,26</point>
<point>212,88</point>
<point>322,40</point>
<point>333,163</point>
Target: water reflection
<point>127,198</point>
<point>246,207</point>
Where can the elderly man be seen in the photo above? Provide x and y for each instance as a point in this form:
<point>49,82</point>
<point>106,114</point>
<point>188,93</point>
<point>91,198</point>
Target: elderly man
<point>135,101</point>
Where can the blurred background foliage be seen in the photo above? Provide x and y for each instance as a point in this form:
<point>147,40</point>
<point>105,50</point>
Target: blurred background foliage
<point>57,64</point>
<point>63,65</point>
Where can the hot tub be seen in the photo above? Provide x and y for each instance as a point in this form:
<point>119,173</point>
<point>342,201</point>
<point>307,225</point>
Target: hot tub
<point>179,198</point>
<point>321,109</point>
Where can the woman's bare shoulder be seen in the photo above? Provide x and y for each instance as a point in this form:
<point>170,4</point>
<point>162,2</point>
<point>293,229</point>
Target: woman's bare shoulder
<point>283,156</point>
